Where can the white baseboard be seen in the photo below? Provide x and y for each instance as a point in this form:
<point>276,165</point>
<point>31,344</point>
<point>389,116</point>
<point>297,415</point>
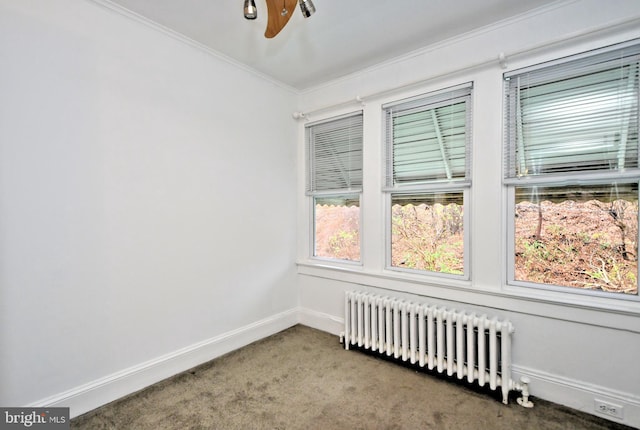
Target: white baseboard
<point>572,393</point>
<point>104,390</point>
<point>321,321</point>
<point>580,395</point>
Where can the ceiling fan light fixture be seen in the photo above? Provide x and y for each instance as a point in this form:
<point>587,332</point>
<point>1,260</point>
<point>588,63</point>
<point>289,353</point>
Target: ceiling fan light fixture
<point>307,8</point>
<point>250,11</point>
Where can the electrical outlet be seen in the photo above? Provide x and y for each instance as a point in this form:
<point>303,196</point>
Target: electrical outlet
<point>608,408</point>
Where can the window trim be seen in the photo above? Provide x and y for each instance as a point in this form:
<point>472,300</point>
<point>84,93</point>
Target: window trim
<point>485,288</point>
<point>430,100</point>
<point>311,194</point>
<point>588,177</point>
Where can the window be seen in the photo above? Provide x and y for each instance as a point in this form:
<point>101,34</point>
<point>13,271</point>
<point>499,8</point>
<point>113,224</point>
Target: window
<point>571,172</point>
<point>428,175</point>
<point>334,183</point>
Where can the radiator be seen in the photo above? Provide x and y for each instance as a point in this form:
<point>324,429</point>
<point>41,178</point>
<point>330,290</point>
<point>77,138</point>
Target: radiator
<point>460,344</point>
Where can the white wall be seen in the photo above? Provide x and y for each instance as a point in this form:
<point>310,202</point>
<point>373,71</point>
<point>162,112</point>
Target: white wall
<point>574,348</point>
<point>147,194</point>
<point>133,244</point>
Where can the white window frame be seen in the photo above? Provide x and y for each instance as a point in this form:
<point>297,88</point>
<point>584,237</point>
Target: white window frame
<point>512,180</point>
<point>454,185</point>
<point>313,193</point>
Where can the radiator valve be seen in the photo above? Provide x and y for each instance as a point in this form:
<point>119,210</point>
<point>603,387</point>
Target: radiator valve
<point>524,400</point>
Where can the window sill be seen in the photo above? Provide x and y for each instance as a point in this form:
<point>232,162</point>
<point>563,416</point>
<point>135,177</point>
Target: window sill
<point>351,272</point>
<point>599,311</point>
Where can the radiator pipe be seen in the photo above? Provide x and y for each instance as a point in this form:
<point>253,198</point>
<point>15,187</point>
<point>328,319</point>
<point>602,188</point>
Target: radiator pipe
<point>523,387</point>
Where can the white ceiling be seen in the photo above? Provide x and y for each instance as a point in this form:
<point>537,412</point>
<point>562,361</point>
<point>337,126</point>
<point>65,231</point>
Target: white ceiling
<point>342,37</point>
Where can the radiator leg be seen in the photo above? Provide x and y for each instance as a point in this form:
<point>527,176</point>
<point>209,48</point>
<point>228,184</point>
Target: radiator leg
<point>524,387</point>
<point>347,320</point>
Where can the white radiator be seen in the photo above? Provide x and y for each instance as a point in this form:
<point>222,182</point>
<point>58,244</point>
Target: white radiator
<point>475,347</point>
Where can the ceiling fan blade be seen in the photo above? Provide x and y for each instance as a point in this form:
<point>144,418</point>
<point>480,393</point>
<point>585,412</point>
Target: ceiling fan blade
<point>276,19</point>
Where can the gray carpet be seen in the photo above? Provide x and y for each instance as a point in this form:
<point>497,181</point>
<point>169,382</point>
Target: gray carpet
<point>302,378</point>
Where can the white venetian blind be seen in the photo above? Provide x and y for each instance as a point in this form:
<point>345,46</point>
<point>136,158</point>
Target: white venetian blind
<point>428,138</point>
<point>575,115</point>
<point>334,155</point>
